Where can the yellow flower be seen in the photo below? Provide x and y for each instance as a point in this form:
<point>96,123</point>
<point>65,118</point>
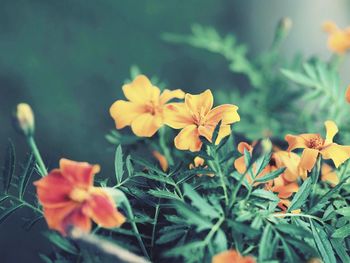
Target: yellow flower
<point>329,175</point>
<point>144,110</point>
<point>199,162</point>
<point>197,118</point>
<point>232,256</point>
<point>339,39</point>
<point>314,144</point>
<point>163,162</point>
<point>24,118</point>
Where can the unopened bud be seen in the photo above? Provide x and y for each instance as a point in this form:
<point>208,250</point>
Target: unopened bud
<point>24,119</point>
<point>282,30</point>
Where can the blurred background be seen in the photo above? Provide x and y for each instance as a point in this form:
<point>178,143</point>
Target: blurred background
<point>68,59</point>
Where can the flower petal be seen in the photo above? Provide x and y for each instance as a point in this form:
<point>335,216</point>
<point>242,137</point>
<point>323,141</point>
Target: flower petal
<point>171,94</point>
<point>80,174</point>
<point>331,131</point>
<point>188,139</point>
<point>291,161</point>
<point>338,153</point>
<point>77,219</point>
<point>232,256</point>
<point>308,158</point>
<point>146,125</point>
<point>298,141</point>
<point>239,164</point>
<point>226,113</point>
<point>141,90</point>
<point>329,175</point>
<point>101,209</point>
<point>207,131</point>
<point>53,190</point>
<point>124,112</point>
<point>244,146</point>
<point>200,104</point>
<point>177,116</point>
<point>162,160</point>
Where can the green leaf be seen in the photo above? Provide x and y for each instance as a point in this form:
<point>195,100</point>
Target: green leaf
<point>342,232</point>
<point>118,164</point>
<point>323,245</point>
<point>9,167</point>
<point>261,163</point>
<point>345,211</point>
<point>26,175</point>
<point>289,252</point>
<point>61,242</point>
<point>294,230</point>
<point>129,166</point>
<point>216,132</point>
<point>148,165</point>
<point>271,176</point>
<point>164,194</point>
<point>298,78</point>
<point>158,178</point>
<point>265,252</point>
<point>301,196</point>
<point>170,236</point>
<point>261,193</point>
<point>8,212</point>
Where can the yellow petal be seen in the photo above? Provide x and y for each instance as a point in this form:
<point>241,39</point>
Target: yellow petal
<point>308,158</point>
<point>226,113</point>
<point>329,175</point>
<point>338,153</point>
<point>171,94</point>
<point>244,146</point>
<point>124,112</point>
<point>291,161</point>
<point>177,116</point>
<point>207,131</point>
<point>239,164</point>
<point>331,131</point>
<point>146,125</point>
<point>188,139</point>
<point>200,104</point>
<point>298,141</point>
<point>329,27</point>
<point>198,161</point>
<point>162,160</point>
<point>141,90</point>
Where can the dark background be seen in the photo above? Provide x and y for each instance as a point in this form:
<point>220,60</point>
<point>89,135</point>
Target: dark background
<point>68,60</point>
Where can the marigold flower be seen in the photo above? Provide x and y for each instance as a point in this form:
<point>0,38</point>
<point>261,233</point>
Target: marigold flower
<point>314,144</point>
<point>70,199</point>
<point>347,94</point>
<point>339,39</point>
<point>232,256</point>
<point>163,162</point>
<point>24,119</point>
<point>199,162</point>
<point>144,110</point>
<point>197,118</point>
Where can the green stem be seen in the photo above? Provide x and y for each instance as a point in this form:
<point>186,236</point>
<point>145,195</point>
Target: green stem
<point>39,160</point>
<point>238,186</point>
<point>215,228</point>
<point>24,203</point>
<point>164,146</point>
<point>155,221</point>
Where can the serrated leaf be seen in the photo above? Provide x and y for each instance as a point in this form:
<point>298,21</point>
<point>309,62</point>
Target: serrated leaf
<point>118,164</point>
<point>298,78</point>
<point>61,242</point>
<point>271,176</point>
<point>261,193</point>
<point>4,215</point>
<point>26,175</point>
<point>265,244</point>
<point>9,167</point>
<point>170,236</point>
<point>323,245</point>
<point>301,196</point>
<point>342,232</point>
<point>163,194</point>
<point>294,230</point>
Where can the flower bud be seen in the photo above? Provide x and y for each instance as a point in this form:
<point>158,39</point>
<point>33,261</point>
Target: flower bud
<point>24,119</point>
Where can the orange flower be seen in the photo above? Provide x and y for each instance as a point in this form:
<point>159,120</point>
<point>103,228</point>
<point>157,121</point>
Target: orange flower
<point>197,118</point>
<point>199,162</point>
<point>339,39</point>
<point>329,175</point>
<point>162,160</point>
<point>144,110</point>
<point>232,256</point>
<point>70,199</point>
<point>347,94</point>
<point>314,144</point>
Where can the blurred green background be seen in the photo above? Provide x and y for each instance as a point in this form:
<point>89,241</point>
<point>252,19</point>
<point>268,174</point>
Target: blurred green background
<point>68,59</point>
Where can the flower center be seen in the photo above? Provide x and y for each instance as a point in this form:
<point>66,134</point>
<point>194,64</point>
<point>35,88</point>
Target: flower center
<point>79,194</point>
<point>153,108</point>
<point>315,142</point>
<point>199,117</point>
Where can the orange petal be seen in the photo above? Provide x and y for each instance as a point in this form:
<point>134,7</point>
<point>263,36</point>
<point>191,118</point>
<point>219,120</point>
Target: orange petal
<point>338,153</point>
<point>347,94</point>
<point>141,90</point>
<point>101,209</point>
<point>53,190</point>
<point>124,112</point>
<point>329,27</point>
<point>244,146</point>
<point>200,104</point>
<point>177,116</point>
<point>308,158</point>
<point>77,219</point>
<point>298,141</point>
<point>198,161</point>
<point>55,216</point>
<point>226,113</point>
<point>329,175</point>
<point>171,94</point>
<point>239,164</point>
<point>146,125</point>
<point>285,191</point>
<point>291,161</point>
<point>231,256</point>
<point>80,174</point>
<point>331,131</point>
<point>207,131</point>
<point>162,160</point>
<point>188,139</point>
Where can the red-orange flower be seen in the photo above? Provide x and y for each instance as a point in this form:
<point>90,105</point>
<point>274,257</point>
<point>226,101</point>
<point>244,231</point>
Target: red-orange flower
<point>232,256</point>
<point>70,199</point>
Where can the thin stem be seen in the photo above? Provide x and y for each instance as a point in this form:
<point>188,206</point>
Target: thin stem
<point>39,160</point>
<point>298,215</point>
<point>164,146</point>
<point>238,186</point>
<point>215,228</point>
<point>21,201</point>
<point>155,221</point>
